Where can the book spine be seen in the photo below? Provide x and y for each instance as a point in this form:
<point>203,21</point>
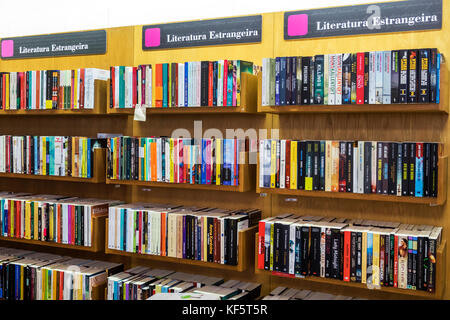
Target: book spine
<point>413,76</point>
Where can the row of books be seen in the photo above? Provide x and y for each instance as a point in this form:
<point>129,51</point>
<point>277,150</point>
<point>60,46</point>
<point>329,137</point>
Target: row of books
<point>188,84</point>
<point>378,77</point>
<point>51,218</point>
<point>388,168</point>
<point>142,283</point>
<point>47,155</point>
<point>196,233</point>
<point>28,275</point>
<point>50,89</point>
<point>171,160</point>
<point>372,252</point>
<point>283,293</point>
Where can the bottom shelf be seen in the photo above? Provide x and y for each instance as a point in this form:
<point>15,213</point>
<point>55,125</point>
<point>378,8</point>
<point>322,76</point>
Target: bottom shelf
<point>245,254</point>
<point>438,294</point>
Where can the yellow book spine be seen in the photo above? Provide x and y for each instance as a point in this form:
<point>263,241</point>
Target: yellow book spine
<point>44,159</point>
<point>44,284</point>
<point>271,246</point>
<point>218,160</point>
<point>205,236</point>
<point>27,220</point>
<point>171,157</point>
<point>80,287</point>
<point>54,288</point>
<point>294,146</point>
<point>308,180</point>
<point>74,173</point>
<point>376,260</point>
<point>273,162</point>
<point>7,92</point>
<point>364,258</point>
<point>85,152</point>
<point>51,217</point>
<point>36,230</point>
<point>114,146</point>
<point>22,272</point>
<point>145,158</point>
<point>75,90</point>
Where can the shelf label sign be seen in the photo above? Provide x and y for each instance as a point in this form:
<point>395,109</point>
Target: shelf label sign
<point>202,33</point>
<point>398,16</point>
<point>54,45</point>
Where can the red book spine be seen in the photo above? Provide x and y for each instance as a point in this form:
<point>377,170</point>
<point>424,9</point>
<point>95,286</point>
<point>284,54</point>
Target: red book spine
<point>210,84</point>
<point>18,219</point>
<point>395,261</point>
<point>23,85</point>
<point>176,84</point>
<point>261,234</point>
<point>112,88</point>
<point>8,231</point>
<point>38,90</point>
<point>72,90</point>
<point>59,226</point>
<point>134,86</point>
<point>73,225</point>
<point>360,78</point>
<point>82,71</point>
<point>225,77</point>
<point>347,236</point>
<point>181,162</point>
<point>4,91</point>
<point>176,177</point>
<point>288,164</point>
<point>61,285</point>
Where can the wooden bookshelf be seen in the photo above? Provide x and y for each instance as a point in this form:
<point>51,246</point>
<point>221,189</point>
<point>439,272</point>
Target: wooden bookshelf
<point>245,254</point>
<point>328,284</point>
<point>99,106</point>
<point>98,238</point>
<point>246,181</point>
<point>99,173</point>
<point>438,201</point>
<point>99,292</point>
<point>442,107</point>
<point>248,103</point>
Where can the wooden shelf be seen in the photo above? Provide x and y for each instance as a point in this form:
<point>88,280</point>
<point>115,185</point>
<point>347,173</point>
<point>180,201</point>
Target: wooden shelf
<point>99,106</point>
<point>246,181</point>
<point>248,103</point>
<point>99,174</point>
<point>326,282</point>
<point>438,201</point>
<point>442,107</point>
<point>245,254</point>
<point>98,238</point>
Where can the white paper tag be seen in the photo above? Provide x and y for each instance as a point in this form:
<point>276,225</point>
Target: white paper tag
<point>140,113</point>
<point>141,152</point>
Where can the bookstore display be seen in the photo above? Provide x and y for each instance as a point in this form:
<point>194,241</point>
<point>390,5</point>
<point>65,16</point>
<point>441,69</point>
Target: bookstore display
<point>28,275</point>
<point>50,89</point>
<point>142,283</point>
<point>189,84</point>
<point>50,218</point>
<point>203,234</point>
<point>387,168</point>
<point>283,293</point>
<point>61,156</point>
<point>172,160</point>
<point>378,77</point>
<point>363,251</point>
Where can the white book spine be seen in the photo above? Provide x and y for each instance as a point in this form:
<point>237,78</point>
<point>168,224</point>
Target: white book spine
<point>379,77</point>
<point>116,86</point>
<point>374,167</point>
<point>355,168</point>
<point>158,163</point>
<point>338,99</point>
<point>292,229</point>
<point>322,251</point>
<point>220,83</point>
<point>283,164</point>
<point>328,165</point>
<point>387,78</point>
<point>360,166</point>
<point>111,227</point>
<point>372,77</point>
<point>264,79</point>
<point>199,77</point>
<point>181,84</point>
<point>332,79</point>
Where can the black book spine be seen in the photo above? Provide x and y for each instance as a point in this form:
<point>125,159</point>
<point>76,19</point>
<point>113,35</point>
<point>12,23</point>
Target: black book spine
<point>353,78</point>
<point>342,166</point>
<point>419,263</point>
<point>210,232</point>
<point>335,253</point>
<point>346,78</point>
<point>192,231</point>
<point>353,256</point>
<point>391,253</point>
<point>358,256</point>
<point>298,255</point>
<point>204,83</point>
<point>395,77</point>
<point>276,246</point>
<point>314,254</point>
<point>215,74</point>
<point>299,80</point>
<point>304,249</point>
<point>294,86</point>
<point>412,169</point>
<point>301,161</point>
<point>366,77</point>
<point>226,239</point>
<point>306,85</point>
<point>27,90</point>
<point>385,182</point>
<point>312,83</point>
<point>405,169</point>
<point>285,248</point>
<point>426,169</point>
<point>413,76</point>
<point>328,253</point>
<point>379,167</point>
<point>283,75</point>
<point>316,165</point>
<point>288,84</point>
<point>392,185</point>
<point>367,167</point>
<point>322,166</point>
<point>404,76</point>
<point>434,170</point>
<point>433,75</point>
<point>424,75</point>
<point>425,263</point>
<point>111,72</point>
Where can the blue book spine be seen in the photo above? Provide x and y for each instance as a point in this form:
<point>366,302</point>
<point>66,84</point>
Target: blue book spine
<point>369,257</point>
<point>283,81</point>
<point>438,79</point>
<point>203,153</point>
<point>419,170</point>
<point>192,163</point>
<point>236,165</point>
<point>165,70</point>
<point>163,159</point>
<point>52,156</point>
<point>199,242</point>
<point>89,151</point>
<point>184,237</point>
<point>186,83</point>
<point>36,158</point>
<point>17,282</point>
<point>227,154</point>
<point>277,81</point>
<point>399,168</point>
<point>229,87</point>
<point>1,282</point>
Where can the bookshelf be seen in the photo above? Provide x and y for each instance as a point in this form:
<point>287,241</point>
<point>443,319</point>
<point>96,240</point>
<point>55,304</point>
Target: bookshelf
<point>99,106</point>
<point>99,163</point>
<point>248,103</point>
<point>245,254</point>
<point>438,201</point>
<point>98,238</point>
<point>441,108</point>
<point>326,284</point>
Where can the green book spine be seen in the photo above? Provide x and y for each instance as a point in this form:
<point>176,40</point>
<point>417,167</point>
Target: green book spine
<point>318,94</point>
<point>325,77</point>
<point>121,87</point>
<point>165,70</point>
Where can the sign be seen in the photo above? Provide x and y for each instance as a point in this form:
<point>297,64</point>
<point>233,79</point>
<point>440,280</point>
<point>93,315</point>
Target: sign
<point>388,17</point>
<point>202,33</point>
<point>54,45</point>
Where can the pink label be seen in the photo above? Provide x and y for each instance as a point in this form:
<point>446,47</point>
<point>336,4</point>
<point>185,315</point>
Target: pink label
<point>7,48</point>
<point>298,25</point>
<point>153,37</point>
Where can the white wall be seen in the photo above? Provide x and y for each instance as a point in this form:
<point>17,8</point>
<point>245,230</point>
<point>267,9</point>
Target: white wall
<point>21,17</point>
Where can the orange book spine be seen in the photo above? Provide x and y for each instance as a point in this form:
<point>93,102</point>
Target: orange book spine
<point>158,86</point>
<point>163,234</point>
<point>210,84</point>
<point>347,240</point>
<point>154,161</point>
<point>334,166</point>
